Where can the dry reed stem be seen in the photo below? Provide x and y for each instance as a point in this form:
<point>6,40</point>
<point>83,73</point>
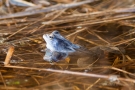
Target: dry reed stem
<point>35,80</point>
<point>25,27</point>
<point>91,42</point>
<point>78,31</point>
<point>93,84</point>
<point>3,80</point>
<point>99,37</point>
<point>45,10</point>
<point>106,67</point>
<point>49,21</point>
<point>122,42</point>
<point>79,73</point>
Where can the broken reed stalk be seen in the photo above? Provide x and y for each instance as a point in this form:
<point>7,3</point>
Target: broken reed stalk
<point>9,55</point>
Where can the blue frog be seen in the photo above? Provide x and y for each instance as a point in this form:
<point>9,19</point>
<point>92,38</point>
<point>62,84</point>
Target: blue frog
<point>58,47</point>
<point>56,42</point>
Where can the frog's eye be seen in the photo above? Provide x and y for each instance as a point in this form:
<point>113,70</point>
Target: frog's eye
<point>51,37</point>
<point>56,32</point>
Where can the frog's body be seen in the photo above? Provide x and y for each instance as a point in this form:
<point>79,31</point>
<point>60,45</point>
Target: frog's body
<point>56,42</point>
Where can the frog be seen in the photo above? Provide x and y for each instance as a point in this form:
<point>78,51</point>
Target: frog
<point>57,47</point>
<point>56,42</point>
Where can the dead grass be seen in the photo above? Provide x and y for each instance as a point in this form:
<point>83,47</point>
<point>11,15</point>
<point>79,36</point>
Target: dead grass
<point>104,24</point>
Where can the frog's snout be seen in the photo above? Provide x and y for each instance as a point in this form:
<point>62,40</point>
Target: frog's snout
<point>45,36</point>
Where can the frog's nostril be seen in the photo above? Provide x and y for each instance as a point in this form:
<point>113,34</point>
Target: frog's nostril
<point>50,37</point>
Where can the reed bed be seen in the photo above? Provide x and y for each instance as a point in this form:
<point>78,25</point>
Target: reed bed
<point>105,24</point>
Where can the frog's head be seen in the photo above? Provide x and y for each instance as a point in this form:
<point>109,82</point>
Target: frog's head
<point>49,37</point>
